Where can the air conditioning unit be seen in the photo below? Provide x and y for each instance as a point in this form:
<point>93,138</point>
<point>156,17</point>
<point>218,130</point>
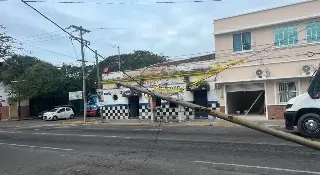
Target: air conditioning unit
<point>261,73</point>
<point>307,69</point>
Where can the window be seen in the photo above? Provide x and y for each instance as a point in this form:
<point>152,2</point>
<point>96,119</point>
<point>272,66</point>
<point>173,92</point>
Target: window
<point>286,91</point>
<point>242,42</point>
<point>285,36</point>
<point>68,109</point>
<point>313,32</point>
<point>62,110</point>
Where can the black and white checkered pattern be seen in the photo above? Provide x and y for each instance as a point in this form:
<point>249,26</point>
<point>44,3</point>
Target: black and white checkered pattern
<point>145,112</point>
<point>115,112</point>
<point>166,113</point>
<point>188,113</point>
<point>215,106</point>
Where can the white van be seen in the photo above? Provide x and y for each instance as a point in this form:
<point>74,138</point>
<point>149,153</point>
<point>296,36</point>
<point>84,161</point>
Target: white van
<point>303,111</point>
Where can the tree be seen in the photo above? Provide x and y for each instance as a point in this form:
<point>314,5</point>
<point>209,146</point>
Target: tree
<point>5,43</point>
<point>15,66</point>
<point>41,79</point>
<point>35,78</point>
<point>137,59</point>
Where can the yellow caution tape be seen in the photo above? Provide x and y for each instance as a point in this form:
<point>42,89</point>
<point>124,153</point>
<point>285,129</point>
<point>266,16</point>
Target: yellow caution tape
<point>215,70</point>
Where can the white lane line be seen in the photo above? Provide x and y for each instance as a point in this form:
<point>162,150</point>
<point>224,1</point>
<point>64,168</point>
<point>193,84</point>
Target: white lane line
<point>85,135</point>
<point>258,167</point>
<point>110,136</point>
<point>147,129</point>
<point>82,135</point>
<point>32,146</point>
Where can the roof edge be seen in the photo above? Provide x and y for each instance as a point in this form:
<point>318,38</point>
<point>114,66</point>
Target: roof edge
<point>256,11</point>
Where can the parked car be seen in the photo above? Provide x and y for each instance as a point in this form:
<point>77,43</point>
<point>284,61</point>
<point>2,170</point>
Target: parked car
<point>40,115</point>
<point>59,113</point>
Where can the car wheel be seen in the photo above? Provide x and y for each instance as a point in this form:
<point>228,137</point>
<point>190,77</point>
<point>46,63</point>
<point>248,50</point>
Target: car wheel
<point>71,116</point>
<point>55,118</point>
<point>309,125</point>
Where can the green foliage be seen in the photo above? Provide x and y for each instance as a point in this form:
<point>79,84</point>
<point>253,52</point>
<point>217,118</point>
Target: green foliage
<point>30,77</point>
<point>5,43</point>
<point>137,59</point>
<point>40,79</point>
<point>14,67</point>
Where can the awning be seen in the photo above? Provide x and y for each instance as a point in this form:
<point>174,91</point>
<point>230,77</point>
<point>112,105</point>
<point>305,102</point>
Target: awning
<point>202,87</point>
<point>130,93</point>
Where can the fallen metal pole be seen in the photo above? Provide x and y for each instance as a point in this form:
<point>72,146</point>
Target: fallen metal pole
<point>283,135</point>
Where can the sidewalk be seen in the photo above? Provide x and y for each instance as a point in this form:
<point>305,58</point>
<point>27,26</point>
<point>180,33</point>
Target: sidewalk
<point>16,119</point>
<point>137,122</point>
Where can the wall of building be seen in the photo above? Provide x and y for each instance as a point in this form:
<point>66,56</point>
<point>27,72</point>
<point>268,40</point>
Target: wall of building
<point>120,106</point>
<point>274,107</point>
<point>12,111</point>
<point>269,16</point>
<point>274,59</point>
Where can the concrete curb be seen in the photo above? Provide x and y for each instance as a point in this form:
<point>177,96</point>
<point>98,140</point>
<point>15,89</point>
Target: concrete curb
<point>224,124</point>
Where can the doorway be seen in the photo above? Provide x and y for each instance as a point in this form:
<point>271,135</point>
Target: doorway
<point>200,98</point>
<point>242,102</point>
<point>133,107</point>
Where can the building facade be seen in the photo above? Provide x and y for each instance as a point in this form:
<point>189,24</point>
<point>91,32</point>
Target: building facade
<point>280,46</point>
<point>172,79</point>
<point>10,111</point>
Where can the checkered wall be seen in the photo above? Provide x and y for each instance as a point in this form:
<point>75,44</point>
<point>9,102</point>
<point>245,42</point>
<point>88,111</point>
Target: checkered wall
<point>144,112</point>
<point>166,113</point>
<point>215,106</point>
<point>189,113</point>
<point>115,112</point>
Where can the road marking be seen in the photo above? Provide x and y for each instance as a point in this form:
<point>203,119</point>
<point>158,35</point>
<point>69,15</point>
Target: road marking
<point>258,167</point>
<point>110,136</point>
<point>147,129</point>
<point>85,135</point>
<point>32,146</point>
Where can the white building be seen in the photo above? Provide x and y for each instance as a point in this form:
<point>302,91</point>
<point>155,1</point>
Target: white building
<point>123,103</point>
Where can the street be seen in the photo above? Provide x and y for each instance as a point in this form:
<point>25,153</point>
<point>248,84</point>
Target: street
<point>37,147</point>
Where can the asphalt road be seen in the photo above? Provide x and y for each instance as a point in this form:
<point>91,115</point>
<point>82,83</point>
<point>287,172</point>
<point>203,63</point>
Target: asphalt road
<point>29,147</point>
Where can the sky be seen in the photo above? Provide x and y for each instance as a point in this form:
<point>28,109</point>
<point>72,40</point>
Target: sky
<point>178,30</point>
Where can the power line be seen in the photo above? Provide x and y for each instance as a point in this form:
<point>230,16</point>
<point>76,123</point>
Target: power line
<point>115,3</point>
<point>74,49</point>
<point>116,28</point>
<point>41,34</point>
<point>54,52</point>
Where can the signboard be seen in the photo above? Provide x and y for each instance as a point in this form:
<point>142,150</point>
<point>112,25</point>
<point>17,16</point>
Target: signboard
<point>75,95</point>
<point>159,82</point>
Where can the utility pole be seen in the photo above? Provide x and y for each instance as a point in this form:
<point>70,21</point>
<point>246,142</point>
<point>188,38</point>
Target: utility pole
<point>98,71</point>
<point>83,42</point>
<point>119,59</point>
<point>277,133</point>
<point>1,107</point>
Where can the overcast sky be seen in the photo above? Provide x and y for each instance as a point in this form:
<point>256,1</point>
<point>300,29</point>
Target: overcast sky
<point>173,29</point>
